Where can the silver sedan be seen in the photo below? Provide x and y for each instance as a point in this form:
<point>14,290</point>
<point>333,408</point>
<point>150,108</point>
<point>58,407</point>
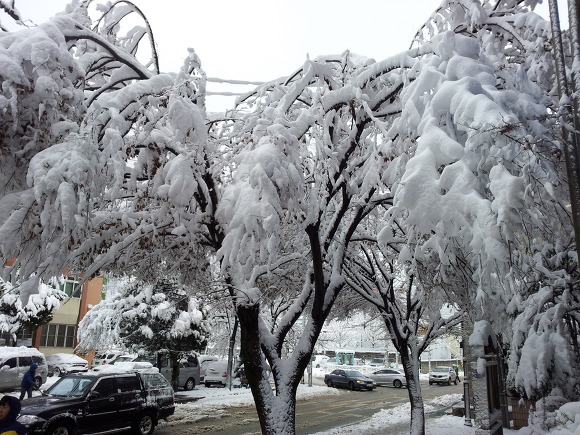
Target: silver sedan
<point>393,377</point>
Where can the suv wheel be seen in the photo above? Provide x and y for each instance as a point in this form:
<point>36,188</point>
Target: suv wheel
<point>56,372</point>
<point>189,384</point>
<point>145,425</point>
<point>38,382</point>
<point>61,428</point>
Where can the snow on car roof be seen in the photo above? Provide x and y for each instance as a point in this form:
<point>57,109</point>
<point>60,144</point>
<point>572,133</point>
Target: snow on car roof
<point>15,351</point>
<point>64,357</point>
<point>123,367</point>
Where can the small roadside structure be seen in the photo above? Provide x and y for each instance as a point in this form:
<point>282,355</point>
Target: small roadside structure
<point>487,381</point>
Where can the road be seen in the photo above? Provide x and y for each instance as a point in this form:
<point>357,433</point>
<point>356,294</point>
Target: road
<point>313,415</point>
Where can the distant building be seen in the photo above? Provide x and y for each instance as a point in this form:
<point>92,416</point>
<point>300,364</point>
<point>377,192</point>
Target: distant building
<point>59,336</point>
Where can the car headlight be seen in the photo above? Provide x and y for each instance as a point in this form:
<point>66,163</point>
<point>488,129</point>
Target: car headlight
<point>358,382</point>
<point>30,420</point>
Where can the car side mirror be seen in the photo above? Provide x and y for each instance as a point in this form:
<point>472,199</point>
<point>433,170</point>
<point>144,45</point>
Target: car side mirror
<point>94,395</point>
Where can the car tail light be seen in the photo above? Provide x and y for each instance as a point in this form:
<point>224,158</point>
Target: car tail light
<point>225,374</point>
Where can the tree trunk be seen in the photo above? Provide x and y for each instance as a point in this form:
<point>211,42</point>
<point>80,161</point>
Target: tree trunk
<point>231,347</point>
<point>411,369</point>
<point>174,361</point>
<point>276,412</point>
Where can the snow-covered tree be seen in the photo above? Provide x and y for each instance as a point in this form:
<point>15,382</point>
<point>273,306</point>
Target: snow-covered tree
<point>146,319</point>
<point>130,187</point>
<point>49,75</point>
<point>480,181</point>
<point>37,311</point>
<point>307,177</point>
<point>545,347</point>
<point>457,135</point>
<point>411,312</point>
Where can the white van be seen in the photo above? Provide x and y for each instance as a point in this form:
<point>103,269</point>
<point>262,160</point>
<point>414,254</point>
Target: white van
<point>188,371</point>
<point>15,361</point>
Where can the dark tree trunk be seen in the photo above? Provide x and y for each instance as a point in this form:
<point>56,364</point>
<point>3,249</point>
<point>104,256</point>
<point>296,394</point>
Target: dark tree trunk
<point>414,390</point>
<point>276,411</point>
<point>231,347</point>
<point>174,361</point>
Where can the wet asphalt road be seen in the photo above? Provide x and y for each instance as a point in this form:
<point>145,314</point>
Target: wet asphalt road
<point>312,415</point>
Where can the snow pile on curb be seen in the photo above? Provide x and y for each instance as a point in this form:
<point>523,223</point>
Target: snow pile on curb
<point>400,414</point>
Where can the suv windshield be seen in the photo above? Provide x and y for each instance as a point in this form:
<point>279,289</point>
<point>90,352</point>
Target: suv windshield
<point>71,386</point>
<point>441,369</point>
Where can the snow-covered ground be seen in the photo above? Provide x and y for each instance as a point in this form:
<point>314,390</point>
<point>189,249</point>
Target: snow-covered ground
<point>440,425</point>
<point>204,399</point>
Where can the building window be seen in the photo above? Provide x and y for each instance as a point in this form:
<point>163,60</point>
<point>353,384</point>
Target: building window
<point>58,335</point>
<point>71,286</point>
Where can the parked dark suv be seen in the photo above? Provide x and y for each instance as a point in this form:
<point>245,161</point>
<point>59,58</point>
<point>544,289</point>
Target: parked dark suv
<point>92,402</point>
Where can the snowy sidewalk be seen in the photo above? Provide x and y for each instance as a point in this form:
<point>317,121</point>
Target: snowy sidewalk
<point>395,421</point>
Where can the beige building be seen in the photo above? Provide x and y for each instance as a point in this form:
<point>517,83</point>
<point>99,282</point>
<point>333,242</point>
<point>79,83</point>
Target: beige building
<point>59,336</point>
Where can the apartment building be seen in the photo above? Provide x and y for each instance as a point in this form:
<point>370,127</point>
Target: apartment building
<point>59,336</point>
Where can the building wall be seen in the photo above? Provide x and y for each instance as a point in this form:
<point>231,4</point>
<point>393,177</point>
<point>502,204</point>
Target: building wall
<point>59,336</point>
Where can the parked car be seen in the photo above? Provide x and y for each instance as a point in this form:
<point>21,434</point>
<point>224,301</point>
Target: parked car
<point>107,357</point>
<point>64,363</point>
<point>204,362</point>
<point>351,379</point>
<point>216,374</point>
<point>106,401</point>
<point>442,375</point>
<point>377,362</point>
<point>15,361</point>
<point>135,358</point>
<point>189,371</point>
<point>115,360</point>
<point>393,377</point>
<point>130,357</point>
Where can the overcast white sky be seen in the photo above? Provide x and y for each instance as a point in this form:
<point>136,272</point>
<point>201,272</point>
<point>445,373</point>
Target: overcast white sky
<point>260,40</point>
